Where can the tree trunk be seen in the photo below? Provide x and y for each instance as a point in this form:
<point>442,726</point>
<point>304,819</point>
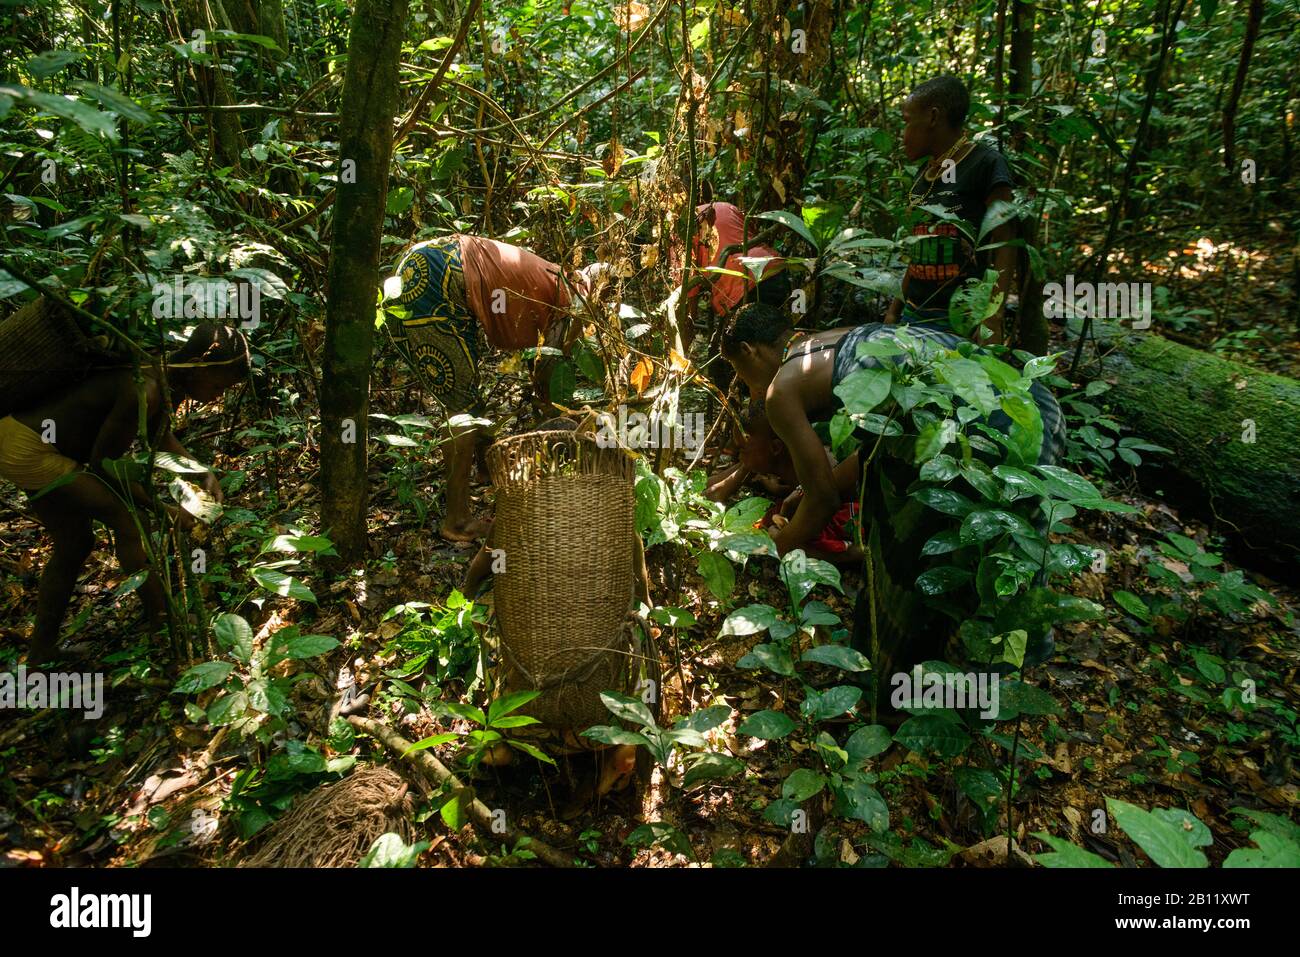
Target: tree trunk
<point>1253,18</point>
<point>370,93</point>
<point>1022,64</point>
<point>226,134</point>
<point>1234,432</point>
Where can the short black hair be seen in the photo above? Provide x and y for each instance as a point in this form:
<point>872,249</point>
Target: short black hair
<point>212,344</point>
<point>947,93</point>
<point>758,324</point>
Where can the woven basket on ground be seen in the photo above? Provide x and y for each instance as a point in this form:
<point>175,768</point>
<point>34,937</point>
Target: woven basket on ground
<point>565,518</point>
<point>42,346</point>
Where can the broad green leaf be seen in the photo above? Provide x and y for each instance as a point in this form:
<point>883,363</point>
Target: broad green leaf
<point>802,784</point>
<point>838,656</point>
<point>867,742</point>
<point>768,725</point>
<point>1162,841</point>
<point>712,767</point>
<point>933,734</point>
<point>203,676</point>
<point>1067,854</point>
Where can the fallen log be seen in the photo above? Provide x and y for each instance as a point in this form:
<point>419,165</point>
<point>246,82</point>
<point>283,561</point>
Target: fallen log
<point>1234,431</point>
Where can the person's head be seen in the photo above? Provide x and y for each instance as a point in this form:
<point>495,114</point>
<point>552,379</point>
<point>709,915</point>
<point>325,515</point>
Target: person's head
<point>933,116</point>
<point>212,360</point>
<point>752,340</point>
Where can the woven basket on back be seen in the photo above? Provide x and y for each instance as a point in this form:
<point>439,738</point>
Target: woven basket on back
<point>565,518</point>
<point>42,347</point>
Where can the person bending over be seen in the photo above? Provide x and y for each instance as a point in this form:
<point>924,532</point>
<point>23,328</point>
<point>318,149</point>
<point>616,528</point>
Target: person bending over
<point>797,375</point>
<point>463,295</point>
<point>75,432</point>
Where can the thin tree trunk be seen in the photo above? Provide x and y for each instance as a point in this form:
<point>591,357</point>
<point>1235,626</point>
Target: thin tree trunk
<point>1022,63</point>
<point>370,93</point>
<point>1253,19</point>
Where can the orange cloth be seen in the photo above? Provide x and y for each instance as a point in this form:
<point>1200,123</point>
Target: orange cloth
<point>729,290</point>
<point>514,293</point>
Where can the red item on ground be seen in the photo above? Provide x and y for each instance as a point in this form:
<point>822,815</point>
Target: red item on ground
<point>837,536</point>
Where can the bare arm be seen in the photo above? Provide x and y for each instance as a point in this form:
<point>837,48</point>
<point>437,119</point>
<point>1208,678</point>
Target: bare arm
<point>1004,261</point>
<point>724,484</point>
<point>820,499</point>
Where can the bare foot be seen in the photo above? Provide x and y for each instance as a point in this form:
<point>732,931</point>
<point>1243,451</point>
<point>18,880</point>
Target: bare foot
<point>467,531</point>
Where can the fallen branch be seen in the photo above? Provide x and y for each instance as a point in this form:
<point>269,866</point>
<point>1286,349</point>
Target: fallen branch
<point>436,771</point>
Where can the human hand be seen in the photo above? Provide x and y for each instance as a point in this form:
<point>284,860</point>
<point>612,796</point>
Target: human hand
<point>791,503</point>
<point>212,485</point>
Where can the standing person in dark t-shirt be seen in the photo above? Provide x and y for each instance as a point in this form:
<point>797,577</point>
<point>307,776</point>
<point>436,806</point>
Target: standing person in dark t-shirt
<point>966,178</point>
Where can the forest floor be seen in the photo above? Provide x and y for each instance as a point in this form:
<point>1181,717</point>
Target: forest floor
<point>1143,714</point>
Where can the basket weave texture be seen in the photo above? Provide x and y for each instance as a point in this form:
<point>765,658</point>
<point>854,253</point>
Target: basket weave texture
<point>42,347</point>
<point>565,518</point>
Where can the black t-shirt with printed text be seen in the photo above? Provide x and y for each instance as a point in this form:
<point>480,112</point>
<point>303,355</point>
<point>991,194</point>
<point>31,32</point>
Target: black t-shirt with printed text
<point>941,262</point>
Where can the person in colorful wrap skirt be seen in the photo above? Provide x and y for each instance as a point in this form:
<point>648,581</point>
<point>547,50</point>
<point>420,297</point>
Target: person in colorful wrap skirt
<point>461,296</point>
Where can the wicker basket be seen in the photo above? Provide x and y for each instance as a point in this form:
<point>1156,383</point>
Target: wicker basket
<point>42,346</point>
<point>565,518</point>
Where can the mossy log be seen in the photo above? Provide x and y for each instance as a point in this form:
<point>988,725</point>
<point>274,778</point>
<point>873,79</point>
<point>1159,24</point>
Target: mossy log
<point>1233,429</point>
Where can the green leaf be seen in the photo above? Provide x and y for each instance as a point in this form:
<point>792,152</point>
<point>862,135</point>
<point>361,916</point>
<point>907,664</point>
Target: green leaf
<point>1188,824</point>
<point>1020,483</point>
<point>1132,604</point>
<point>945,500</point>
<point>831,703</point>
<point>712,767</point>
<point>749,620</point>
<point>802,784</point>
<point>234,634</point>
<point>768,725</point>
<point>1016,698</point>
<point>266,696</point>
<point>278,582</point>
<point>507,703</point>
<point>389,850</point>
<point>131,584</point>
<point>933,734</point>
<point>435,741</point>
<point>1064,484</point>
<point>941,579</point>
<point>858,800</point>
<point>627,708</point>
<point>1067,854</point>
<point>985,525</point>
<point>115,101</point>
<point>865,389</point>
<point>673,617</point>
<point>1162,841</point>
<point>1273,851</point>
<point>609,734</point>
<point>300,647</point>
<point>867,742</point>
<point>228,708</point>
<point>718,573</point>
<point>789,219</point>
<point>665,835</point>
<point>983,788</point>
<point>706,719</point>
<point>181,464</point>
<point>774,657</point>
<point>838,656</point>
<point>201,677</point>
<point>50,62</point>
